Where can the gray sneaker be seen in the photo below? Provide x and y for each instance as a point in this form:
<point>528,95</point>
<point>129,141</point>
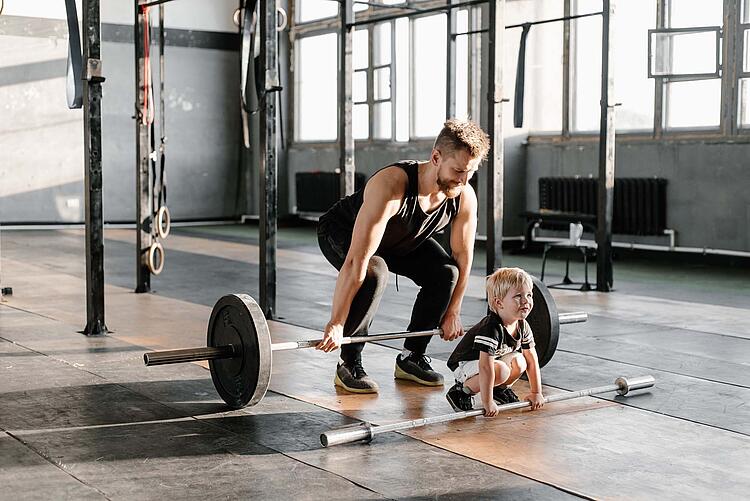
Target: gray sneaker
<point>416,367</point>
<point>353,378</point>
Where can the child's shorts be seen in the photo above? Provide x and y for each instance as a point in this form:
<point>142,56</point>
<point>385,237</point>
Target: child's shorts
<point>470,368</point>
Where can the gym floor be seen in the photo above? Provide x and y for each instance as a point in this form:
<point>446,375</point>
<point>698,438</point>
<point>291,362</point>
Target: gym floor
<point>83,418</point>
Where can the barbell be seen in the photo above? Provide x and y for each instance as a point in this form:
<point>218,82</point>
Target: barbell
<point>239,348</point>
<point>365,431</point>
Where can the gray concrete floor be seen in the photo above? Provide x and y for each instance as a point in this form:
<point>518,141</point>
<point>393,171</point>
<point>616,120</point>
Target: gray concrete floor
<point>82,417</point>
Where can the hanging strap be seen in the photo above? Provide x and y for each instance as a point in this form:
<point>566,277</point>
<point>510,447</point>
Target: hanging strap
<point>248,94</point>
<point>147,115</point>
<point>74,73</point>
<point>520,71</point>
<point>162,199</point>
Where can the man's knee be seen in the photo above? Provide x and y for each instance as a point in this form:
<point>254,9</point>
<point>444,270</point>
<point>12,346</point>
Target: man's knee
<point>377,273</point>
<point>446,275</point>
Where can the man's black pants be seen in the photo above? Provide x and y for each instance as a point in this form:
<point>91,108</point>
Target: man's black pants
<point>429,266</point>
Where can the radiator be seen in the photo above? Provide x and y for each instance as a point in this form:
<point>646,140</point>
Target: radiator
<point>640,204</point>
<point>318,191</point>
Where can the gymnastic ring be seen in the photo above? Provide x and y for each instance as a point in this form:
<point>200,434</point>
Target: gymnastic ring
<point>156,248</point>
<point>163,222</point>
<point>236,16</point>
<point>280,12</point>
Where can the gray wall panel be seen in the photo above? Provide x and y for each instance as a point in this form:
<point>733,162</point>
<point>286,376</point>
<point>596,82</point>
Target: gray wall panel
<point>41,140</point>
<point>707,192</point>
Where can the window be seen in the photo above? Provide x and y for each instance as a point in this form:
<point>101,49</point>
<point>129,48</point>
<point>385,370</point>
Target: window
<point>633,89</point>
<point>543,71</point>
<point>402,79</point>
<point>373,82</point>
<point>361,63</point>
<point>312,10</point>
<point>693,104</point>
<point>428,75</point>
<point>316,108</point>
<point>586,60</point>
<point>697,103</point>
<point>685,52</point>
<point>462,65</point>
<point>399,79</point>
<point>743,115</point>
<point>382,80</point>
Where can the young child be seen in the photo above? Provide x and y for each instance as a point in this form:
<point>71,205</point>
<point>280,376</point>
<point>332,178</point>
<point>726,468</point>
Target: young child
<point>495,352</point>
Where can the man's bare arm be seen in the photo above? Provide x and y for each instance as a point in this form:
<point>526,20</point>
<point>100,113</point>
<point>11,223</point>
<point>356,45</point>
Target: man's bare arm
<point>463,233</point>
<point>382,199</point>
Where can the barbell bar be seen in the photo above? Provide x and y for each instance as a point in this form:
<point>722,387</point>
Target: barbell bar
<point>239,349</point>
<point>218,352</point>
<point>365,431</point>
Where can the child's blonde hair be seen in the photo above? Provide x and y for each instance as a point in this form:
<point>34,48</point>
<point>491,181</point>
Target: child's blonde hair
<point>502,279</point>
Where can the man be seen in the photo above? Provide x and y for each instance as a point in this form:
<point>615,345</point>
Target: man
<point>386,226</point>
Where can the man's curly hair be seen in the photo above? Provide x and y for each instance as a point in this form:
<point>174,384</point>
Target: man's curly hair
<point>463,134</point>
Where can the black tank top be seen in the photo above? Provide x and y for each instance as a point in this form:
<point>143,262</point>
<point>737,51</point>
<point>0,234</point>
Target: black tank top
<point>406,229</point>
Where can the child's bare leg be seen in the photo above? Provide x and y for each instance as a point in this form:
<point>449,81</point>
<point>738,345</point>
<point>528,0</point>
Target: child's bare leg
<point>517,367</point>
<point>502,371</point>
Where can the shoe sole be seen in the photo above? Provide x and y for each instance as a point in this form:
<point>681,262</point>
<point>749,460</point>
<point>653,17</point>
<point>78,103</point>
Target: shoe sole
<point>338,382</point>
<point>455,408</point>
<point>399,373</point>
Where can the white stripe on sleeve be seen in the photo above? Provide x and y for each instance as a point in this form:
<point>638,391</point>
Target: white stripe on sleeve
<point>488,341</point>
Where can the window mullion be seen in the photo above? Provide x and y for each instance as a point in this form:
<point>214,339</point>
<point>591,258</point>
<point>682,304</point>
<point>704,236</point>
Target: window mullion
<point>728,119</point>
<point>566,102</point>
<point>394,96</point>
<point>659,82</point>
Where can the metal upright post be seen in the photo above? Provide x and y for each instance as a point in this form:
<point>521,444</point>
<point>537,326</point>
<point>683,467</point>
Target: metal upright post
<point>659,90</point>
<point>4,291</point>
<point>604,212</point>
<point>346,134</point>
<point>142,154</point>
<point>92,144</point>
<point>731,50</point>
<point>495,130</point>
<point>566,71</point>
<point>450,64</point>
<point>268,160</point>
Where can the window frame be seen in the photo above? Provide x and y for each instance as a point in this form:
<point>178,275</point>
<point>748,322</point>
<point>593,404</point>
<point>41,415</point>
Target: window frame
<point>331,25</point>
<point>687,76</point>
<point>731,60</point>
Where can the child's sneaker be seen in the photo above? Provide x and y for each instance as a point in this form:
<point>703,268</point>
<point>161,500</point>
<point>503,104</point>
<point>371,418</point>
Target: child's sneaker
<point>504,395</point>
<point>459,400</point>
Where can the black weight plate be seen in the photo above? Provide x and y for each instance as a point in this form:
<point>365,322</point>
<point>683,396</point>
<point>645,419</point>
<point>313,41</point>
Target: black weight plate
<point>242,380</point>
<point>544,322</point>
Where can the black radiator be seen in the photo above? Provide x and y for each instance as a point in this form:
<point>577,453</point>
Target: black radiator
<point>640,204</point>
<point>318,191</point>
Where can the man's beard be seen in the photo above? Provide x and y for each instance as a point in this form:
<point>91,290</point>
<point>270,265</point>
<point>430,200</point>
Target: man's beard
<point>451,190</point>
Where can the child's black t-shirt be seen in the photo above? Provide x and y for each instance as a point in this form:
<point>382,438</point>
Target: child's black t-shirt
<point>490,336</point>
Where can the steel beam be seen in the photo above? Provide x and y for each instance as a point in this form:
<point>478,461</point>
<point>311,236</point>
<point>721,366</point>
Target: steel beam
<point>268,161</point>
<point>604,275</point>
<point>439,8</point>
<point>92,147</point>
<point>565,126</point>
<point>142,155</point>
<point>346,106</point>
<point>495,130</point>
<point>450,64</point>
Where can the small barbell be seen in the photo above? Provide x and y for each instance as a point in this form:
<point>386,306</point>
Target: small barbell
<point>365,431</point>
<point>239,348</point>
